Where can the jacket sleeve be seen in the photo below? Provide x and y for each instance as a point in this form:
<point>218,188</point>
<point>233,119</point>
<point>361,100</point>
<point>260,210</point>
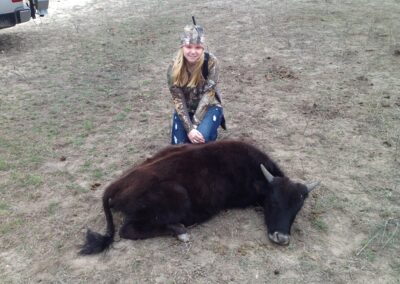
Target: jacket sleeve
<point>209,90</point>
<point>179,101</point>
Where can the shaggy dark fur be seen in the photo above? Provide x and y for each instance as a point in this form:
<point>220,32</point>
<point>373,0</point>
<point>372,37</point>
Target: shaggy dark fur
<point>188,184</point>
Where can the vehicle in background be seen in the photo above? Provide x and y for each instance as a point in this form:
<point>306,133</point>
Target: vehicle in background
<point>14,12</point>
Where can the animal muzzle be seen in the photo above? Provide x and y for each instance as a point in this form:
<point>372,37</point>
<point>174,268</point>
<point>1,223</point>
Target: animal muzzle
<point>279,238</point>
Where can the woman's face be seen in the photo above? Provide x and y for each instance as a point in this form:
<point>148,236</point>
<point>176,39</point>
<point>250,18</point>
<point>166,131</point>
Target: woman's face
<point>192,52</point>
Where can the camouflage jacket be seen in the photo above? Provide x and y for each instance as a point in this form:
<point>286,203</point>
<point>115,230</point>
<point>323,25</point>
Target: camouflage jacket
<point>195,100</point>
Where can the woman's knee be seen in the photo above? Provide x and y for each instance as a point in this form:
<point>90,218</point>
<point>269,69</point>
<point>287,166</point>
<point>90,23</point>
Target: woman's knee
<point>178,132</point>
<point>209,126</point>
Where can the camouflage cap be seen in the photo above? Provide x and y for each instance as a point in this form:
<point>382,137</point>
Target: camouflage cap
<point>193,34</point>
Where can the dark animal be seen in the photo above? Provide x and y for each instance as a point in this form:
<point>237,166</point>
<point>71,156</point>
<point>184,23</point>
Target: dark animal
<point>188,184</point>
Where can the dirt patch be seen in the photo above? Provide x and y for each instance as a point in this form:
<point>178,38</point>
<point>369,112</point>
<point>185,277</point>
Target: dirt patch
<point>83,97</point>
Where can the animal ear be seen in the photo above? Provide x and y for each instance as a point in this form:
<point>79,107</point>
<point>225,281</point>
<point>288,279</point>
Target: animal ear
<point>266,173</point>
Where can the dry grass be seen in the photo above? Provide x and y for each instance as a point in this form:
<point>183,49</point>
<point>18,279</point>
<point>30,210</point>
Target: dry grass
<point>313,83</point>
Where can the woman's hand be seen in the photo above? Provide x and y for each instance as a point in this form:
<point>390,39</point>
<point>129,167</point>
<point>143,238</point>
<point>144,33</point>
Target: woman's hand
<point>196,137</point>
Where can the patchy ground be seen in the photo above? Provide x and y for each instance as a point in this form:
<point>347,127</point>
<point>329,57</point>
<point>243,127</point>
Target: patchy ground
<point>315,83</point>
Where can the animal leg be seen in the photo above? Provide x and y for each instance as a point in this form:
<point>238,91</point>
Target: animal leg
<point>179,231</point>
<point>130,231</point>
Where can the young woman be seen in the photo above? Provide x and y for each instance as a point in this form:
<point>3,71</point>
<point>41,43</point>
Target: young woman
<point>198,110</point>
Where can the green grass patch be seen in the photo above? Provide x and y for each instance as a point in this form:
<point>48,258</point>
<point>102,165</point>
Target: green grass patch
<point>35,180</point>
<point>4,208</point>
<point>319,224</point>
<point>8,227</point>
<point>86,165</point>
<point>146,82</point>
<point>78,141</point>
<point>34,158</point>
<point>5,143</point>
<point>369,255</point>
<point>98,174</point>
<point>120,116</point>
<point>395,265</point>
<point>76,188</point>
<point>4,165</point>
<point>386,193</point>
<point>384,238</point>
<point>52,208</point>
<point>88,125</point>
<point>136,265</point>
<point>53,132</point>
<point>327,202</point>
<point>23,179</point>
<point>127,109</point>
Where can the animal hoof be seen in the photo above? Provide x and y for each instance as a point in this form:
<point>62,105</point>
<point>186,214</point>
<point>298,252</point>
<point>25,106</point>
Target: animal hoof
<point>183,238</point>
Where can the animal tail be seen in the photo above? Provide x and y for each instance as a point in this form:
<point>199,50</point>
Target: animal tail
<point>95,242</point>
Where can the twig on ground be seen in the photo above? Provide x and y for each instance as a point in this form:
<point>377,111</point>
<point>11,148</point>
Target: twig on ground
<point>383,234</point>
<point>396,151</point>
<point>305,128</point>
<point>392,236</point>
<point>370,240</point>
<point>384,230</point>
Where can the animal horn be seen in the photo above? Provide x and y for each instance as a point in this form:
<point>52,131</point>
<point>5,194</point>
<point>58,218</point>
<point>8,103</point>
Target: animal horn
<point>312,185</point>
<point>266,173</point>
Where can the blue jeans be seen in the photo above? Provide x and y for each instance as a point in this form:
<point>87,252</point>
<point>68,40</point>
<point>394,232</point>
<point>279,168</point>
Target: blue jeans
<point>208,126</point>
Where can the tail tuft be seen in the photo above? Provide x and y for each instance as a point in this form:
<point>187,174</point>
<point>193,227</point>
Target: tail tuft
<point>95,243</point>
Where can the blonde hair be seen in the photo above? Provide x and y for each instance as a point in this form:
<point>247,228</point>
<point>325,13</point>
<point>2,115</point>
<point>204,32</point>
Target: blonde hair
<point>180,76</point>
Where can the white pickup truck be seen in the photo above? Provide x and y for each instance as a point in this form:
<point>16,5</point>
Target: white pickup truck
<point>14,12</point>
